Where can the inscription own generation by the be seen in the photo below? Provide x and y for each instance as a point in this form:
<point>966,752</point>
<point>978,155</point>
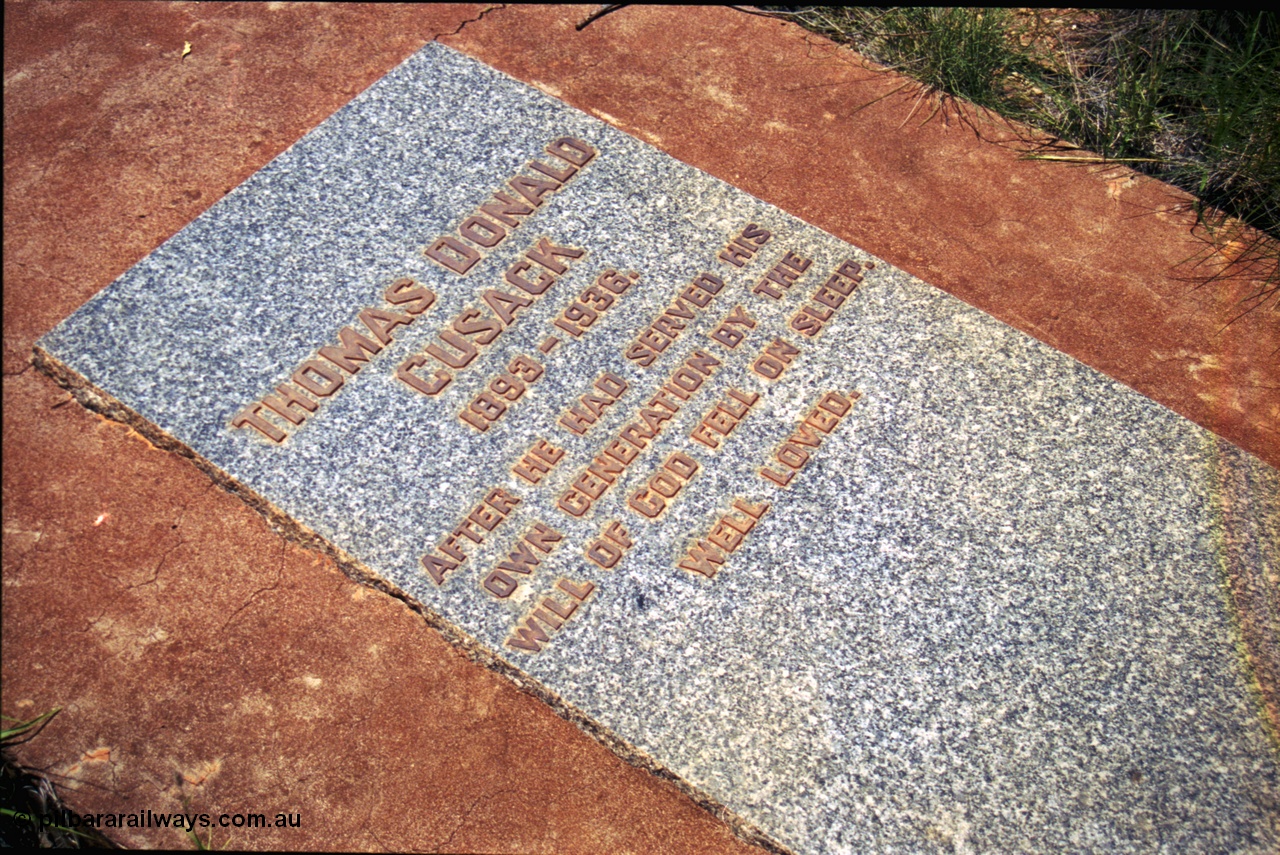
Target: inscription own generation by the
<point>455,346</point>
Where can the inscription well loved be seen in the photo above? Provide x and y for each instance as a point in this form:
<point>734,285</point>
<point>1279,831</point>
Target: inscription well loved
<point>845,554</point>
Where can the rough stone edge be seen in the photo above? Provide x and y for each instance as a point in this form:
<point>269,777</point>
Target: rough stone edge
<point>98,401</point>
<point>1251,599</point>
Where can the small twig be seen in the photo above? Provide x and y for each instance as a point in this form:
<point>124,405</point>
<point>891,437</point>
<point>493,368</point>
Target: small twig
<point>781,16</point>
<point>613,7</point>
<point>599,13</point>
<point>882,97</point>
<point>1062,158</point>
<point>936,109</point>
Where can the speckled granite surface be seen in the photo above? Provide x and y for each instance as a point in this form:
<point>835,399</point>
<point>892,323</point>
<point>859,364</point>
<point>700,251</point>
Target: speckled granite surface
<point>986,612</point>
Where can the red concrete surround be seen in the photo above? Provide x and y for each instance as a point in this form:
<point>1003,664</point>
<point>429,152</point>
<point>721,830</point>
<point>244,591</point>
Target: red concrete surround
<point>200,660</point>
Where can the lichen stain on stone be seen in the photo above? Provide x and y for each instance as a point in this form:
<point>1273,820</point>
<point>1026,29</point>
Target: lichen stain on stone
<point>126,643</point>
<point>553,91</point>
<point>723,98</point>
<point>1197,361</point>
<point>92,757</point>
<point>199,774</point>
<point>97,755</point>
<point>613,120</point>
<point>1204,362</point>
<point>1117,186</point>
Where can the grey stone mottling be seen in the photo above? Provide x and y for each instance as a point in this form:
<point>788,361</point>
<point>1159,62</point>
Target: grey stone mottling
<point>988,615</point>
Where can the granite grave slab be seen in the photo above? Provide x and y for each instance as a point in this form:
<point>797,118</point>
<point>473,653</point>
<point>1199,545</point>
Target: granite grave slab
<point>860,565</point>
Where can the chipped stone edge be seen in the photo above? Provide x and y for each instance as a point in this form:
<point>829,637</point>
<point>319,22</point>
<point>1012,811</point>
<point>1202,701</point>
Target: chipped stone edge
<point>98,401</point>
<point>1252,603</point>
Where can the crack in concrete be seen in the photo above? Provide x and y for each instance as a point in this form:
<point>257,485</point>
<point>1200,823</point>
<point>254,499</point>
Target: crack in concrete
<point>92,623</point>
<point>124,587</point>
<point>260,591</point>
<point>483,12</point>
<point>164,557</point>
<point>572,791</point>
<point>374,834</point>
<point>76,146</point>
<point>462,821</point>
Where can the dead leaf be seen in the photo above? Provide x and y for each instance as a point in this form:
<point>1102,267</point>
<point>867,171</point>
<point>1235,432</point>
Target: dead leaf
<point>186,49</point>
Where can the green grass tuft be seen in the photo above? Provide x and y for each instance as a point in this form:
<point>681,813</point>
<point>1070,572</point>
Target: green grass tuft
<point>30,809</point>
<point>1191,97</point>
